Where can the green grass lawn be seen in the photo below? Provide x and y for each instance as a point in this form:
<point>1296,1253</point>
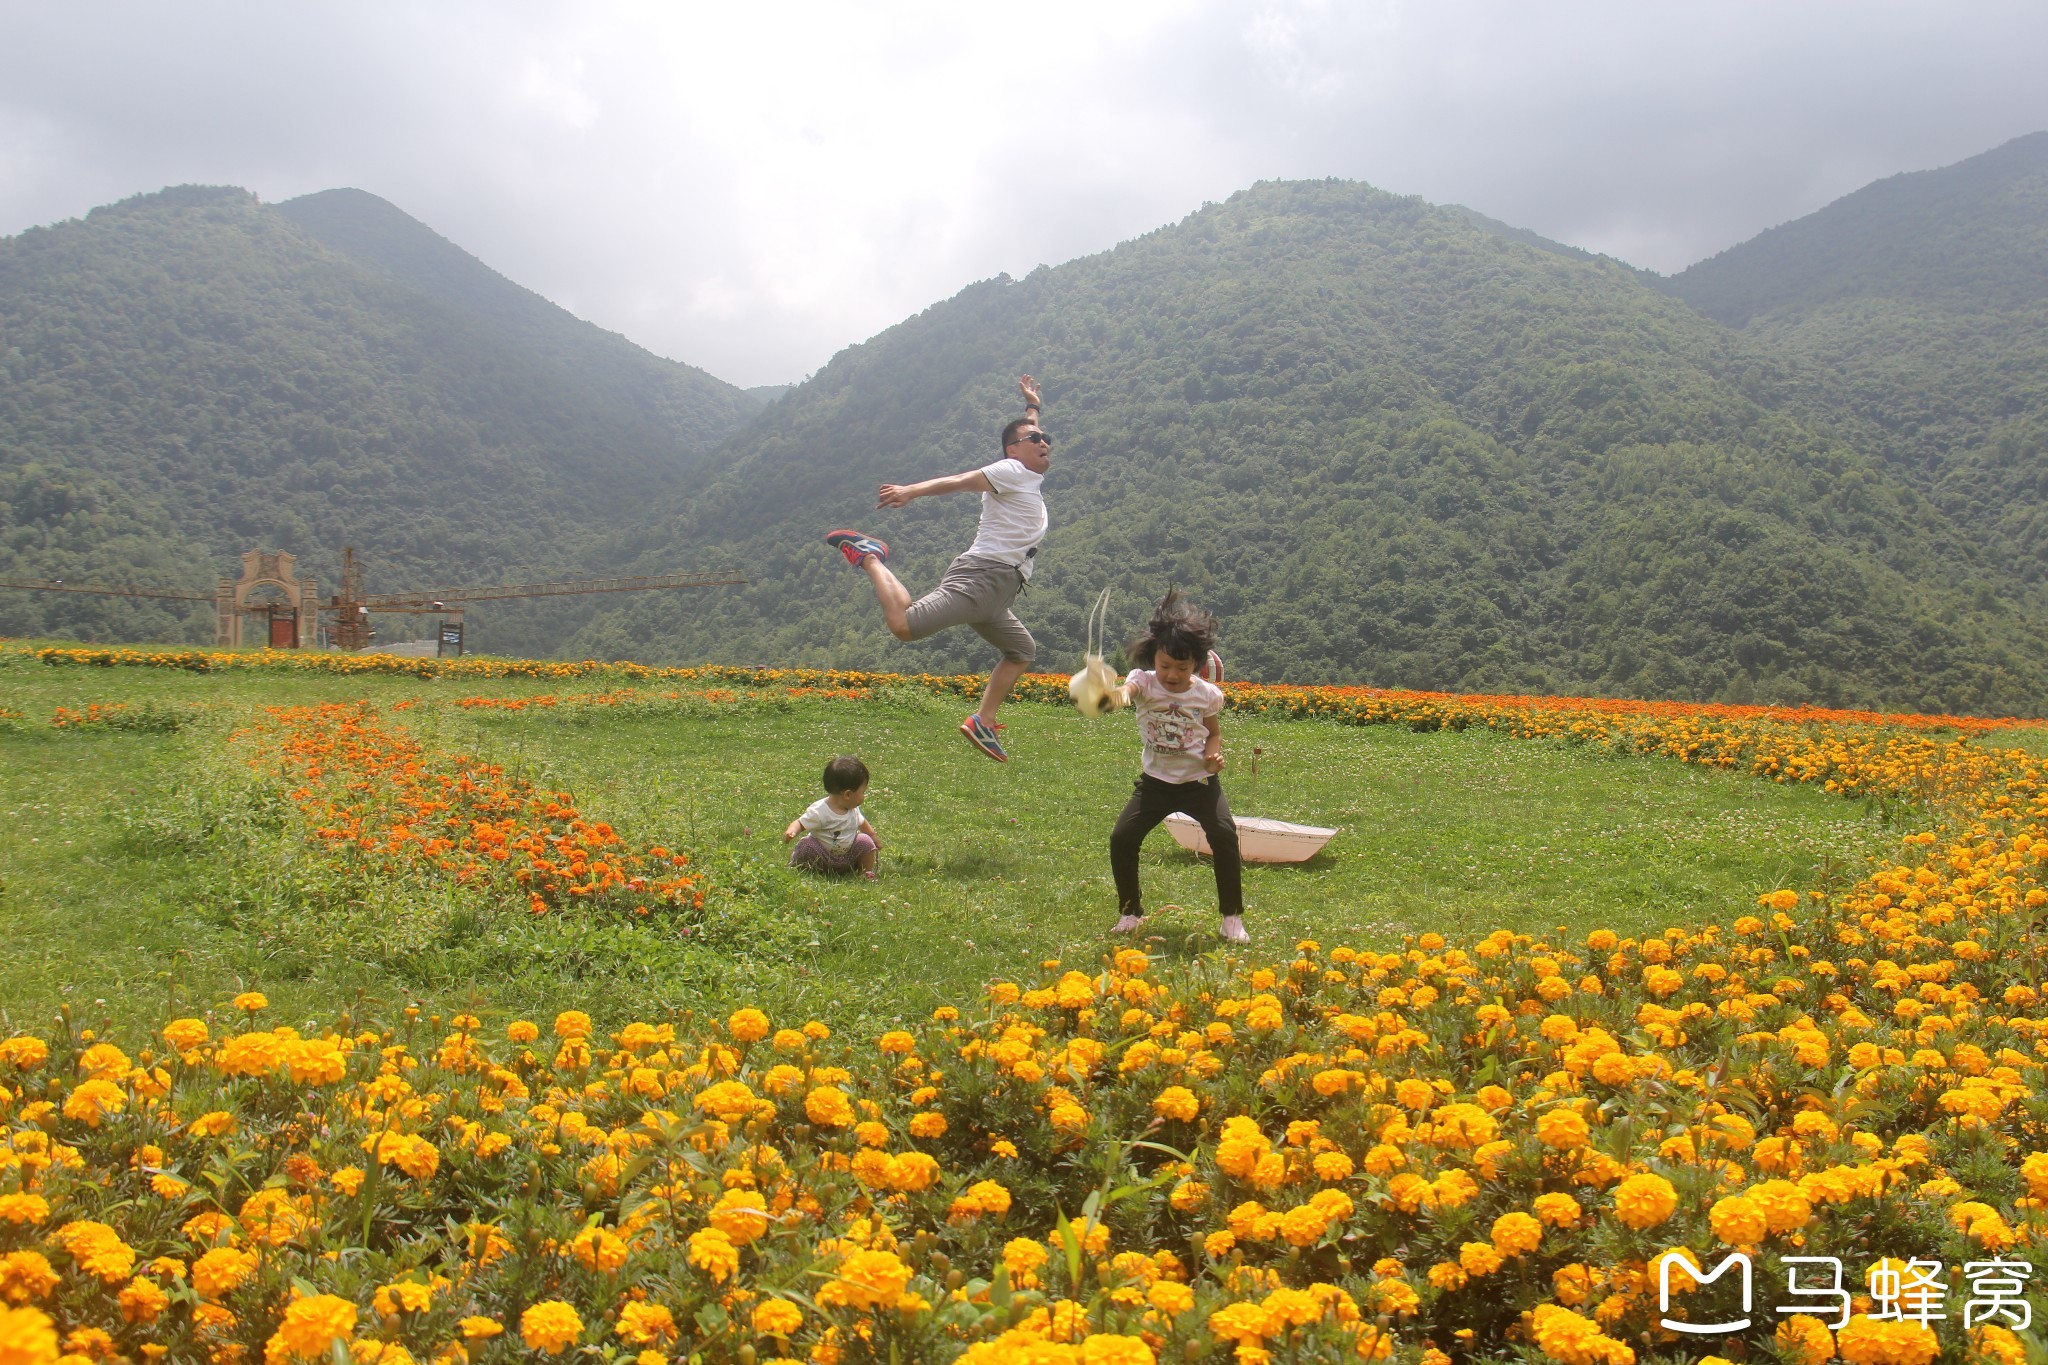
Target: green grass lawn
<point>986,869</point>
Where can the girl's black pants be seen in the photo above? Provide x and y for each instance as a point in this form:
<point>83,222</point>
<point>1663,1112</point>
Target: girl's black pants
<point>1152,801</point>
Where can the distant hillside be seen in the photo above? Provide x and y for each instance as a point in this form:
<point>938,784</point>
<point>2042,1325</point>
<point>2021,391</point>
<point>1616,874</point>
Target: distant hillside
<point>189,374</point>
<point>1387,445</point>
<point>1926,297</point>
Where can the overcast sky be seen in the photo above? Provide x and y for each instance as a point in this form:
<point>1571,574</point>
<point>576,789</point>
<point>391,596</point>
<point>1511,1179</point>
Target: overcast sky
<point>751,187</point>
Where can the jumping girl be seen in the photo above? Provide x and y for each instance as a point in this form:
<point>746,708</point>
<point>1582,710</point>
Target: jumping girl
<point>1180,721</point>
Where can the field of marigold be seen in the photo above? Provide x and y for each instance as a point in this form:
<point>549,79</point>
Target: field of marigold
<point>1816,1131</point>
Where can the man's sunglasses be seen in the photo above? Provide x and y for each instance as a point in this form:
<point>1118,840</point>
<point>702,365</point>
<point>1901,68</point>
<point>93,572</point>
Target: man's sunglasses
<point>1037,438</point>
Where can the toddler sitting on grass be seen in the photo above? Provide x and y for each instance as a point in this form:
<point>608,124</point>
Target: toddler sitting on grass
<point>836,837</point>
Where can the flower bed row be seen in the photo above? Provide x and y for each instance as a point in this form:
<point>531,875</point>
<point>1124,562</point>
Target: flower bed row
<point>371,793</point>
<point>1355,705</point>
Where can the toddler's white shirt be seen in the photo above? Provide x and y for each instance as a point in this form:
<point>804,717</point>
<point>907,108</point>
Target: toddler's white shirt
<point>834,830</point>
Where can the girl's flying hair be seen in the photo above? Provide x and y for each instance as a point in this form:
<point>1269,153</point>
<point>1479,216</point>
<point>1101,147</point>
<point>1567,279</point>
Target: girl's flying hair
<point>1178,629</point>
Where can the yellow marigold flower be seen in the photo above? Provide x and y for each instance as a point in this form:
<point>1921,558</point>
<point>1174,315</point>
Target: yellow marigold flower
<point>599,1249</point>
<point>90,1101</point>
<point>98,1249</point>
<point>1805,1340</point>
<point>1452,1188</point>
<point>1176,1102</point>
<point>740,1215</point>
<point>1464,1126</point>
<point>1414,1094</point>
<point>1562,1129</point>
<point>1479,1258</point>
<point>1107,1348</point>
<point>1170,1297</point>
<point>729,1101</point>
<point>142,1301</point>
<point>866,1278</point>
<point>927,1126</point>
<point>913,1171</point>
<point>187,1034</point>
<point>520,1031</point>
<point>23,1208</point>
<point>25,1275</point>
<point>828,1107</point>
<point>1997,1344</point>
<point>1244,1323</point>
<point>550,1327</point>
<point>23,1052</point>
<point>1565,1336</point>
<point>1783,1204</point>
<point>221,1271</point>
<point>777,1318</point>
<point>27,1335</point>
<point>748,1025</point>
<point>251,1001</point>
<point>218,1123</point>
<point>1644,1200</point>
<point>571,1024</point>
<point>250,1054</point>
<point>409,1152</point>
<point>1865,1341</point>
<point>1022,1257</point>
<point>1516,1234</point>
<point>1738,1220</point>
<point>310,1328</point>
<point>479,1329</point>
<point>712,1252</point>
<point>646,1324</point>
<point>897,1042</point>
<point>1557,1210</point>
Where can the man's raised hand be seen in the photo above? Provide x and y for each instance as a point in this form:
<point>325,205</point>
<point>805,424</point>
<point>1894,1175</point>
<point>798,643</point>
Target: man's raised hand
<point>1030,388</point>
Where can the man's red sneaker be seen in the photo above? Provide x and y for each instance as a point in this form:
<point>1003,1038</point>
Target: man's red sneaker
<point>857,547</point>
<point>982,736</point>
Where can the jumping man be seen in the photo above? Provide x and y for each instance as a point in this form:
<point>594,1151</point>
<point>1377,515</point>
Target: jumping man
<point>978,587</point>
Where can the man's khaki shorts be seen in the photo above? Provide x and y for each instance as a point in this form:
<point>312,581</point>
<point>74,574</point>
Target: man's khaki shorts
<point>976,592</point>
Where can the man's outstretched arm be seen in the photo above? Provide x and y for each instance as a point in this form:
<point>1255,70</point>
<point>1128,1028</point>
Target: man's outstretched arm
<point>897,494</point>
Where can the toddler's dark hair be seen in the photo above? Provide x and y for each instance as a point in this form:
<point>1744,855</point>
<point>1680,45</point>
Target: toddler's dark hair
<point>1178,629</point>
<point>845,774</point>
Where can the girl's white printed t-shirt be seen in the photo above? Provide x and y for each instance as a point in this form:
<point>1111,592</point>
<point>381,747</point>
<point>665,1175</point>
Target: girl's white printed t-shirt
<point>1172,724</point>
<point>1013,517</point>
<point>834,830</point>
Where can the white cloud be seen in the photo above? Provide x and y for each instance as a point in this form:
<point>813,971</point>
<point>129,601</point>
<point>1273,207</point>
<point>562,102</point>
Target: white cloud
<point>750,188</point>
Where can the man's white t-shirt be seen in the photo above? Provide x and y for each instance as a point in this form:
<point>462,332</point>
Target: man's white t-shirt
<point>1173,724</point>
<point>1012,517</point>
<point>833,829</point>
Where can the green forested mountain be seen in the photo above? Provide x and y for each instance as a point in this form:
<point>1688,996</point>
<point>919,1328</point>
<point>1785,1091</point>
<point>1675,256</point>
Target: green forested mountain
<point>189,374</point>
<point>1388,444</point>
<point>1925,299</point>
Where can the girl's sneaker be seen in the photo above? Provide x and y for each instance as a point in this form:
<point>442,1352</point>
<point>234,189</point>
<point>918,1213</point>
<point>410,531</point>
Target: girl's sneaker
<point>857,547</point>
<point>1232,928</point>
<point>982,736</point>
